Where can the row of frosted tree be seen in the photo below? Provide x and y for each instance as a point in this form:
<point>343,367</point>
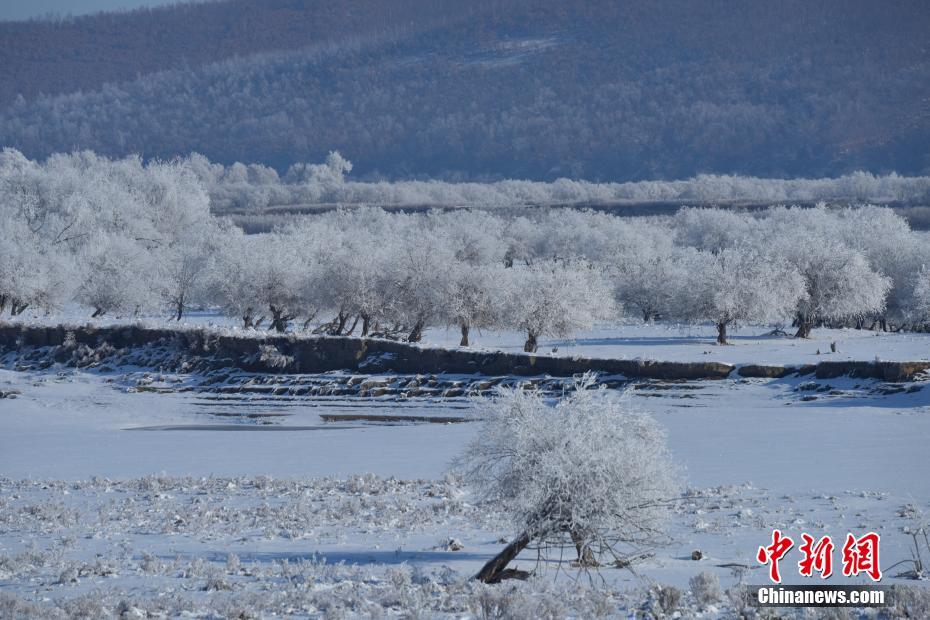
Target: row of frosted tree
<point>124,238</point>
<point>254,187</point>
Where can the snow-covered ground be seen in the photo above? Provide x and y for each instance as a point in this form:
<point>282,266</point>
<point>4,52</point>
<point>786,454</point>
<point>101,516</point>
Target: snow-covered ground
<point>673,342</point>
<point>196,519</point>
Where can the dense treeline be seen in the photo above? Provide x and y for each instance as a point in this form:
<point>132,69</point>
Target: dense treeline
<point>255,187</point>
<point>490,89</point>
<point>122,237</point>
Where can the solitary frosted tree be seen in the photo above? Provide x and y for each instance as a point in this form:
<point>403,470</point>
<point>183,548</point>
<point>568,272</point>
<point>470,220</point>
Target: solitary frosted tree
<point>589,472</point>
<point>738,285</point>
<point>556,298</point>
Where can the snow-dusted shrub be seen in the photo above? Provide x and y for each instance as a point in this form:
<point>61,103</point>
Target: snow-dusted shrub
<point>12,606</point>
<point>706,588</point>
<point>587,471</point>
<point>911,601</point>
<point>668,599</point>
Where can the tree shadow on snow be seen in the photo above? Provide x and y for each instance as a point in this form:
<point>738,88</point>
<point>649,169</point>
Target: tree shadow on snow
<point>707,339</point>
<point>846,392</point>
<point>378,556</point>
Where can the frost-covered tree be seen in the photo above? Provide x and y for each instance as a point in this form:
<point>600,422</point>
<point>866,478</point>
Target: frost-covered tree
<point>650,280</point>
<point>892,249</point>
<point>183,274</point>
<point>260,276</point>
<point>474,237</point>
<point>711,230</point>
<point>839,281</point>
<point>569,234</point>
<point>353,277</point>
<point>556,298</point>
<point>474,297</point>
<point>29,277</point>
<point>419,266</point>
<point>80,219</point>
<point>521,241</point>
<point>277,274</point>
<point>737,285</point>
<point>232,286</point>
<point>922,295</point>
<point>839,284</point>
<point>589,472</point>
<point>116,276</point>
<point>18,258</point>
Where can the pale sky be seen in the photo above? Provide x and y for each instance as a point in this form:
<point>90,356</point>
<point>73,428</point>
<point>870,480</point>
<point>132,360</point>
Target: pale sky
<point>24,9</point>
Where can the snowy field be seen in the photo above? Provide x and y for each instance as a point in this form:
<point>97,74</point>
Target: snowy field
<point>292,515</point>
<point>673,342</point>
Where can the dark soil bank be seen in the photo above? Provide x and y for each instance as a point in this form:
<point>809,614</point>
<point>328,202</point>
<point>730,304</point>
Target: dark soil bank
<point>203,350</point>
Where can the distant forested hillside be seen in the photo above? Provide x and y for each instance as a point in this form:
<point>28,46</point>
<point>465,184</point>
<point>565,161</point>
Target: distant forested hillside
<point>488,89</point>
<point>56,56</point>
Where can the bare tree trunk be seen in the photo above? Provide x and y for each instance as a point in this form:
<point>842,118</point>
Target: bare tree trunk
<point>279,320</point>
<point>366,323</point>
<point>464,327</point>
<point>97,312</point>
<point>2,303</point>
<point>179,309</point>
<point>585,554</point>
<point>491,572</point>
<point>352,329</point>
<point>18,308</point>
<point>531,343</point>
<point>247,319</point>
<point>722,333</point>
<point>416,334</point>
<point>805,325</point>
<point>341,320</point>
